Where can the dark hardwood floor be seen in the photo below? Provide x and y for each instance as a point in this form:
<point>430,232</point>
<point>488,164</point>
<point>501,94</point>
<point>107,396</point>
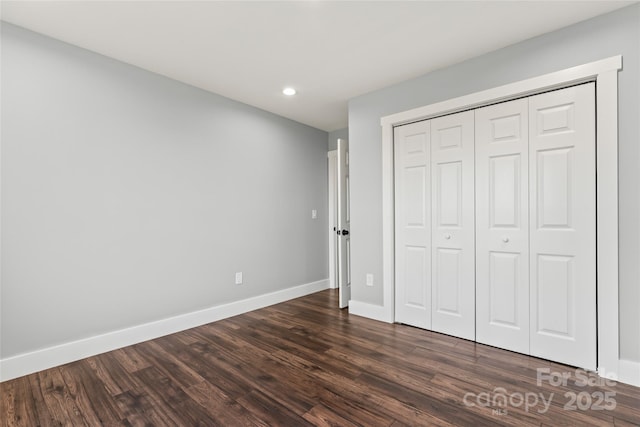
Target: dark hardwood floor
<point>305,362</point>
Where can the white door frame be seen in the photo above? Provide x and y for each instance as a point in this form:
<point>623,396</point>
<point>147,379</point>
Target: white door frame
<point>605,74</point>
<point>332,168</point>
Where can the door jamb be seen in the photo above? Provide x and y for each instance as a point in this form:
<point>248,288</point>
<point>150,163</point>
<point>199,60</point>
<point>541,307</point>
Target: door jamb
<point>332,191</point>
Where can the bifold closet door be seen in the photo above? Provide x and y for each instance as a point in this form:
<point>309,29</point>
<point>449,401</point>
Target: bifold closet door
<point>453,235</point>
<point>413,224</point>
<point>502,225</point>
<point>496,225</point>
<point>563,225</point>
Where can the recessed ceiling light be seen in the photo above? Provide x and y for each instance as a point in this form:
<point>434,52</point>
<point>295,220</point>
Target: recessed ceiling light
<point>289,91</point>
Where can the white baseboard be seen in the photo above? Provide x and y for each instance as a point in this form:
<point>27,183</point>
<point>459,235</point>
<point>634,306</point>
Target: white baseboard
<point>371,311</point>
<point>629,372</point>
<point>24,364</point>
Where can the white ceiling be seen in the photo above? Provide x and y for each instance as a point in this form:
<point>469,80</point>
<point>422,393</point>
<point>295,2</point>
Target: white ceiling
<point>330,51</point>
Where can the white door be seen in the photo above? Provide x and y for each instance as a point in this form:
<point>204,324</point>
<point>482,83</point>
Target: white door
<point>563,225</point>
<point>332,158</point>
<point>502,225</point>
<point>344,241</point>
<point>413,224</point>
<point>452,201</point>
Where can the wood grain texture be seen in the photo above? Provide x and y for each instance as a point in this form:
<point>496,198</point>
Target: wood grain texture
<point>303,362</point>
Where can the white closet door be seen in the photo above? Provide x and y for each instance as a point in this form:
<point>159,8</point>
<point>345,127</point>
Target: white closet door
<point>413,224</point>
<point>563,225</point>
<point>502,226</point>
<point>453,252</point>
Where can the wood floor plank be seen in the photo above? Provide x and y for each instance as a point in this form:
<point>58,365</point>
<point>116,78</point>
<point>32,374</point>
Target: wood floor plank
<point>169,364</point>
<point>224,410</point>
<point>426,402</point>
<point>58,398</point>
<point>272,413</point>
<point>256,374</point>
<point>105,375</point>
<point>322,416</point>
<point>31,393</point>
<point>353,410</point>
<point>95,404</point>
<point>172,398</point>
<point>130,359</point>
<point>8,403</point>
<point>139,410</point>
<point>298,363</point>
<point>212,367</point>
<point>370,398</point>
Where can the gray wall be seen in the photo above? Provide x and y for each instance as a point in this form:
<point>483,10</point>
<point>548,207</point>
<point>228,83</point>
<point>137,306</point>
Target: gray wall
<point>601,37</point>
<point>334,136</point>
<point>128,197</point>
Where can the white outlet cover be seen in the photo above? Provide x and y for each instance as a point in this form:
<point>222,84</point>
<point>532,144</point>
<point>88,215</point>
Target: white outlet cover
<point>239,278</point>
<point>314,214</point>
<point>369,279</point>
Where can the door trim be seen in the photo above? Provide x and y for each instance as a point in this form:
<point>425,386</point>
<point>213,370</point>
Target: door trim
<point>605,73</point>
<point>332,182</point>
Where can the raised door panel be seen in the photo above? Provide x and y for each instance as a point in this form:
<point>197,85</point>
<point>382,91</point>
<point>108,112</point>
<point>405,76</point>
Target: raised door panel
<point>505,290</point>
<point>563,225</point>
<point>413,224</point>
<point>453,253</point>
<point>502,263</point>
<point>447,292</point>
<point>505,193</point>
<point>554,182</point>
<point>415,268</point>
<point>555,292</point>
<point>414,195</point>
<point>448,184</point>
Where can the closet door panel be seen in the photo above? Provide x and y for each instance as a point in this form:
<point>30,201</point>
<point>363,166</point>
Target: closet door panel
<point>453,253</point>
<point>413,224</point>
<point>563,225</point>
<point>448,293</point>
<point>502,226</point>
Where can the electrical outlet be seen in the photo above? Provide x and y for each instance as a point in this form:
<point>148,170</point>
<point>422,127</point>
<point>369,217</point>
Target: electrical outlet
<point>239,278</point>
<point>369,279</point>
<point>314,214</point>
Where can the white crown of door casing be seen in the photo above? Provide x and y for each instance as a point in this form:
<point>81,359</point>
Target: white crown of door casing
<point>604,73</point>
